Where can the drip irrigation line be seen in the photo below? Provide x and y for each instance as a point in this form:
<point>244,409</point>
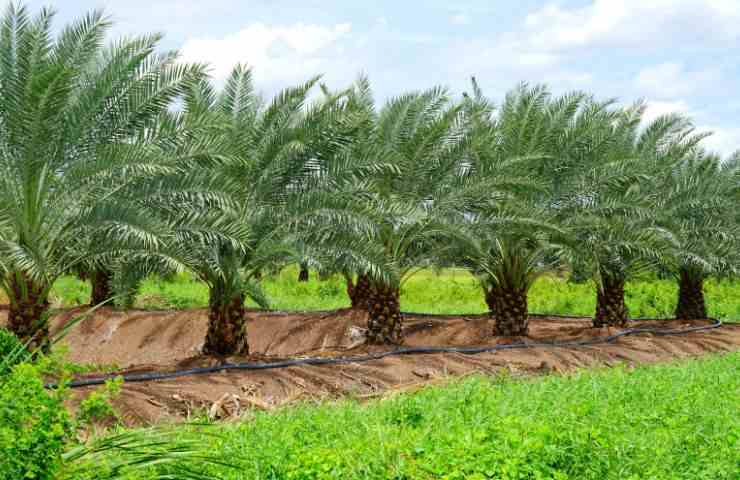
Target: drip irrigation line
<point>442,316</point>
<point>153,376</point>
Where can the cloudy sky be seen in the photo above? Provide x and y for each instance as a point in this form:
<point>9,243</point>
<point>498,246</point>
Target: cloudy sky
<point>679,55</point>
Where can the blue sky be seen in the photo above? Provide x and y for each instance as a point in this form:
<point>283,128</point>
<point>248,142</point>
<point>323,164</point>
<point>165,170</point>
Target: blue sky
<point>679,55</point>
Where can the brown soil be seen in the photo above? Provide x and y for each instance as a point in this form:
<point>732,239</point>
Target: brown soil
<point>140,341</point>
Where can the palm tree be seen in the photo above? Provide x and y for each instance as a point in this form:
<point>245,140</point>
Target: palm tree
<point>608,206</point>
<point>100,275</point>
<point>698,204</point>
<point>266,187</point>
<point>512,231</point>
<point>77,121</point>
<point>507,252</point>
<point>405,169</point>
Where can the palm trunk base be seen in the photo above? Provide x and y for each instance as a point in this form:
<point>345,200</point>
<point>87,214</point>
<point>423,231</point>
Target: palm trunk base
<point>491,302</point>
<point>510,313</point>
<point>101,286</point>
<point>611,310</point>
<point>691,305</point>
<point>385,322</point>
<point>359,292</point>
<point>303,274</point>
<point>28,314</point>
<point>227,328</point>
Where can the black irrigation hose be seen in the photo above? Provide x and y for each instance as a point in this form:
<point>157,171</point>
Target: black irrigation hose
<point>146,377</point>
<point>440,316</point>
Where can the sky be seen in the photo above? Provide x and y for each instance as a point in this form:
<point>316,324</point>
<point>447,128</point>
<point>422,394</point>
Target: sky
<point>677,55</point>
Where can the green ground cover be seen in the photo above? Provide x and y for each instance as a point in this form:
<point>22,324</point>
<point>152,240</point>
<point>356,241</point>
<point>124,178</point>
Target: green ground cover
<point>675,421</point>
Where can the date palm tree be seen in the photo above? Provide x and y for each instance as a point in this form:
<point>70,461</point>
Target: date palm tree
<point>346,176</point>
<point>405,167</point>
<point>609,207</point>
<point>77,122</point>
<point>269,186</point>
<point>512,232</point>
<point>698,203</point>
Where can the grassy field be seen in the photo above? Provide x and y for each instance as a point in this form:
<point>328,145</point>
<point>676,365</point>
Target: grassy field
<point>451,291</point>
<point>676,421</point>
<point>669,422</point>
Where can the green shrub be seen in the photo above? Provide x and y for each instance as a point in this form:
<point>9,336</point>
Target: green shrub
<point>12,351</point>
<point>34,426</point>
<point>97,406</point>
<point>317,464</point>
<point>70,291</point>
<point>329,290</point>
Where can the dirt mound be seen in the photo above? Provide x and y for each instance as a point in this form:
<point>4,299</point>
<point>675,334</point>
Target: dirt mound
<point>140,341</point>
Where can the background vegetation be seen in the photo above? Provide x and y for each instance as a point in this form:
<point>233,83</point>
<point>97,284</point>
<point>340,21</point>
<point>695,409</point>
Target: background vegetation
<point>448,291</point>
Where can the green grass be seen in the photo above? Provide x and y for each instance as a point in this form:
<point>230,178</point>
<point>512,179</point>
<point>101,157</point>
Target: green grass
<point>675,421</point>
<point>451,291</point>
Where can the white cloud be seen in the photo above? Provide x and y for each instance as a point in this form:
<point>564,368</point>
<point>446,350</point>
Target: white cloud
<point>279,54</point>
<point>460,19</point>
<point>547,44</point>
<point>500,64</point>
<point>670,79</point>
<point>724,140</point>
<point>505,54</point>
<point>536,59</point>
<point>634,23</point>
<point>656,108</point>
<point>562,34</point>
<point>570,80</point>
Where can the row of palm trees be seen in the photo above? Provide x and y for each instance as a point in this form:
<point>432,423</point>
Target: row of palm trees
<point>119,161</point>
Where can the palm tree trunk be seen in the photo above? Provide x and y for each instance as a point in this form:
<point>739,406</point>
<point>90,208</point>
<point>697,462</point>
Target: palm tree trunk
<point>490,300</point>
<point>691,305</point>
<point>101,286</point>
<point>358,292</point>
<point>303,274</point>
<point>510,312</point>
<point>227,327</point>
<point>350,289</point>
<point>611,310</point>
<point>28,312</point>
<point>385,322</point>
